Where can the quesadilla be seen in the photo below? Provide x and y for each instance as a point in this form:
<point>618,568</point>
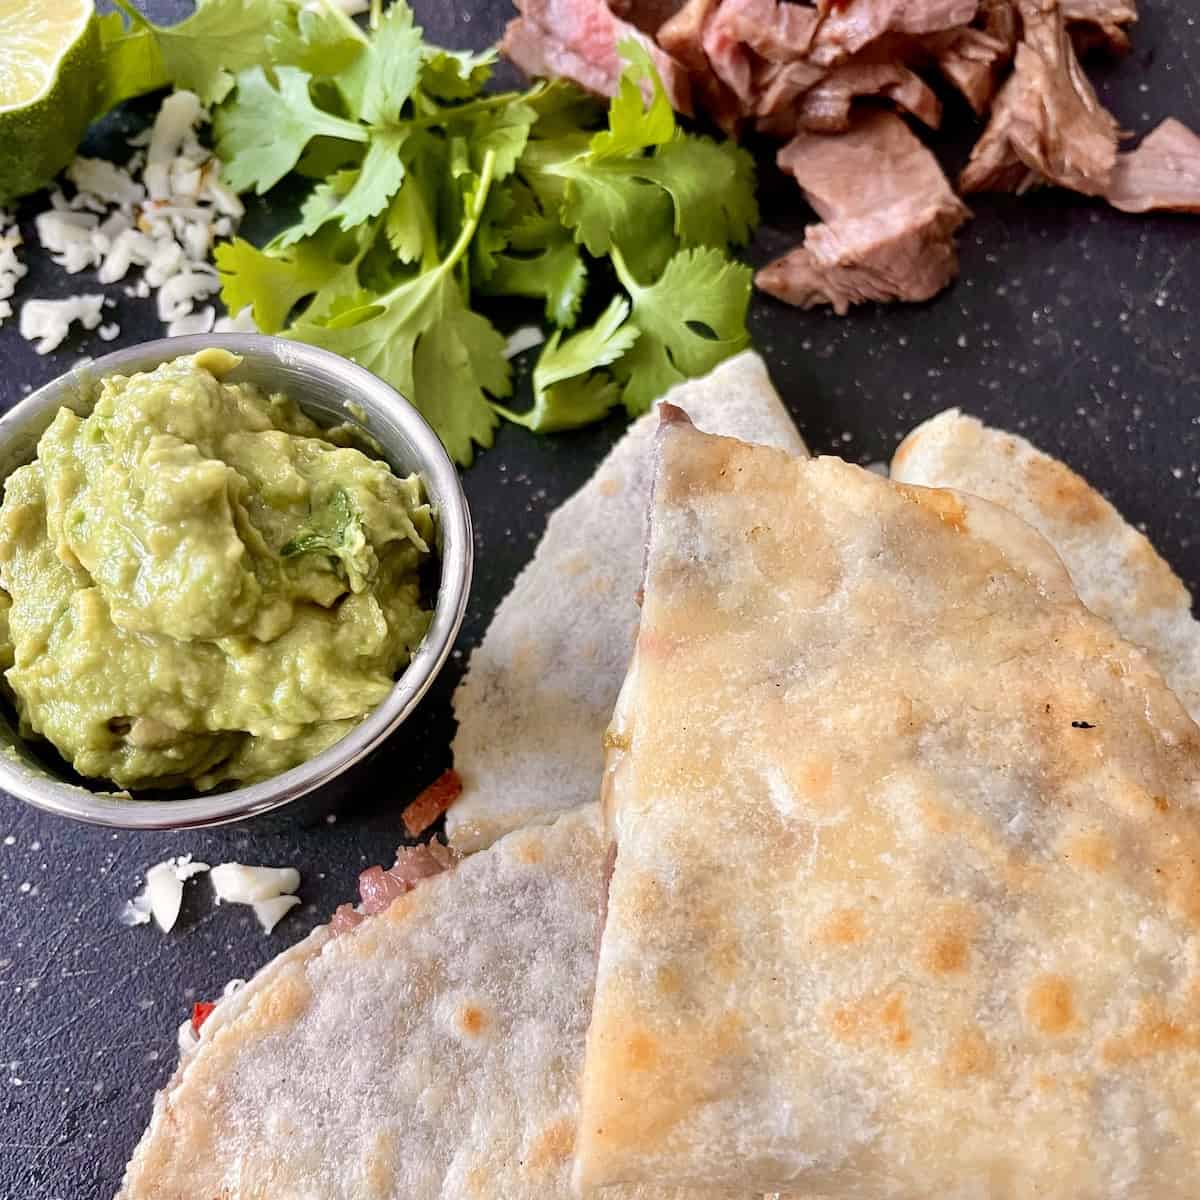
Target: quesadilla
<point>1116,571</point>
<point>540,688</point>
<point>430,1051</point>
<point>906,888</point>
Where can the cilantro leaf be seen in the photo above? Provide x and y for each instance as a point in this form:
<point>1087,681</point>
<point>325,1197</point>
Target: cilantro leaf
<point>261,135</point>
<point>352,197</point>
<point>409,225</point>
<point>274,282</point>
<point>455,74</point>
<point>690,319</point>
<point>336,531</point>
<point>711,185</point>
<point>205,51</point>
<point>131,61</point>
<point>502,128</point>
<point>421,337</point>
<point>634,126</point>
<point>568,390</point>
<point>316,36</point>
<point>541,261</point>
<point>380,80</point>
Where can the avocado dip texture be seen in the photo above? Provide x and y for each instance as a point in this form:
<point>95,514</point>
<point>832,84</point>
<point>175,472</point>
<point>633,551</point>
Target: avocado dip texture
<point>200,586</point>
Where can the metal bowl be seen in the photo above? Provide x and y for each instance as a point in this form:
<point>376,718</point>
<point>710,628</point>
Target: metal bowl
<point>331,390</point>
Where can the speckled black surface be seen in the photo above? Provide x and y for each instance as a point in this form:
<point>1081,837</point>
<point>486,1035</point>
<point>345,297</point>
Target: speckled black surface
<point>1072,323</point>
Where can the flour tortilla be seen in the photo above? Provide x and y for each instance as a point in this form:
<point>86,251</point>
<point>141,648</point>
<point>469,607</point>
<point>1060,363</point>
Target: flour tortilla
<point>1116,571</point>
<point>907,883</point>
<point>540,688</point>
<point>431,1052</point>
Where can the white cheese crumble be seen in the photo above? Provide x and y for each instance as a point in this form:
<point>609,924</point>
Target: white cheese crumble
<point>268,890</point>
<point>163,894</point>
<point>160,213</point>
<point>48,322</point>
<point>11,267</point>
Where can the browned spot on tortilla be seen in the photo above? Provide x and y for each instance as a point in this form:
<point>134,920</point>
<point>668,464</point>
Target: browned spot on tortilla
<point>942,502</point>
<point>609,486</point>
<point>937,819</point>
<point>843,927</point>
<point>873,1017</point>
<point>285,1001</point>
<point>1050,1006</point>
<point>576,564</point>
<point>552,1145</point>
<point>755,532</point>
<point>815,775</point>
<point>616,741</point>
<point>1154,1032</point>
<point>476,1181</point>
<point>1093,851</point>
<point>969,1056</point>
<point>945,951</point>
<point>472,1020</point>
<point>378,1172</point>
<point>641,1051</point>
<point>1060,493</point>
<point>530,851</point>
<point>668,980</point>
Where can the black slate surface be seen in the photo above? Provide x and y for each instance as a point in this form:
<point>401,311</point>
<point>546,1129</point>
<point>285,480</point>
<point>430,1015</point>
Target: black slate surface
<point>1072,323</point>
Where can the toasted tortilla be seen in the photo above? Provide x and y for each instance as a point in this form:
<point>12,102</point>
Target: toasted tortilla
<point>1116,571</point>
<point>906,892</point>
<point>540,688</point>
<point>433,1051</point>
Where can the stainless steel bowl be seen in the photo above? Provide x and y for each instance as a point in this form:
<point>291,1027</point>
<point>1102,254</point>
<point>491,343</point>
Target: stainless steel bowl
<point>330,389</point>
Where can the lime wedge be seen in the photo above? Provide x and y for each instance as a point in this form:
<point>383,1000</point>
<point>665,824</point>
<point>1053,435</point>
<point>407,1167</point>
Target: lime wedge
<point>50,69</point>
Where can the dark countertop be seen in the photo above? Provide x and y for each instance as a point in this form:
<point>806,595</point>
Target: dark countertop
<point>1071,323</point>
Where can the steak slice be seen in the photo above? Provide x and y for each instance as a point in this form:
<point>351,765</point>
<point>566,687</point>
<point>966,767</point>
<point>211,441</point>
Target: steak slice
<point>1162,173</point>
<point>1047,124</point>
<point>847,27</point>
<point>972,58</point>
<point>577,40</point>
<point>888,219</point>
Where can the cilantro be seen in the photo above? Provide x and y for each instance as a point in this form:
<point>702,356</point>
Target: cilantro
<point>428,192</point>
<point>568,390</point>
<point>690,319</point>
<point>632,126</point>
<point>206,50</point>
<point>318,37</point>
<point>455,74</point>
<point>336,531</point>
<point>421,337</point>
<point>131,60</point>
<point>262,136</point>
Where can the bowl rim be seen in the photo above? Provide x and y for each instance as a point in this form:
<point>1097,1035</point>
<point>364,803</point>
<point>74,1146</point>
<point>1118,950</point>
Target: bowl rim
<point>441,479</point>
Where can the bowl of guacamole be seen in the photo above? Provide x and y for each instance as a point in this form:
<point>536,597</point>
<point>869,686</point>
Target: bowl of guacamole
<point>230,565</point>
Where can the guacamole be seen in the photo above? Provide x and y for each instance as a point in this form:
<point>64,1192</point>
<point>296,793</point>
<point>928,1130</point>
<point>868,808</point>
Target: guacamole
<point>199,585</point>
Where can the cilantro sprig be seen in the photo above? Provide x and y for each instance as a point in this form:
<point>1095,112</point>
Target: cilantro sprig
<point>429,192</point>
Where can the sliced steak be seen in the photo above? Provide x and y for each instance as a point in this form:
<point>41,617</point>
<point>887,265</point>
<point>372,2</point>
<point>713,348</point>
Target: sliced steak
<point>1047,124</point>
<point>888,218</point>
<point>682,37</point>
<point>778,86</point>
<point>1099,24</point>
<point>973,58</point>
<point>1162,173</point>
<point>577,40</point>
<point>825,107</point>
<point>776,30</point>
<point>648,15</point>
<point>847,27</point>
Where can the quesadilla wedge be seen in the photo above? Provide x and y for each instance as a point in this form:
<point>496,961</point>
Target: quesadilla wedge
<point>1116,571</point>
<point>430,1051</point>
<point>906,888</point>
<point>540,688</point>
